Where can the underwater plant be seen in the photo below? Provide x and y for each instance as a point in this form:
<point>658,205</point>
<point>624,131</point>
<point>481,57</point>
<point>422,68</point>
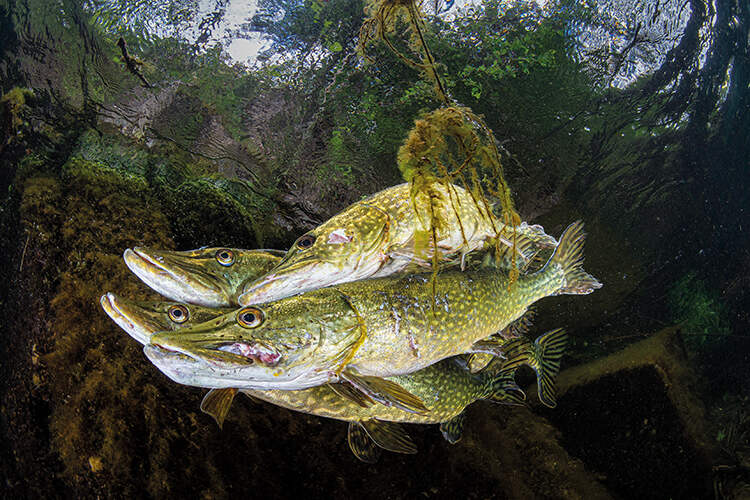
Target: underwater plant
<point>12,107</point>
<point>448,144</point>
<point>699,310</point>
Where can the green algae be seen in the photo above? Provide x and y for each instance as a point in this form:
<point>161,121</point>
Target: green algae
<point>96,213</point>
<point>205,207</point>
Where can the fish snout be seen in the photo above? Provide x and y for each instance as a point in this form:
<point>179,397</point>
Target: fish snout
<point>118,311</point>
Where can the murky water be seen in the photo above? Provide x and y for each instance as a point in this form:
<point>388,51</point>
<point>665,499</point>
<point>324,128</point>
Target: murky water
<point>137,125</point>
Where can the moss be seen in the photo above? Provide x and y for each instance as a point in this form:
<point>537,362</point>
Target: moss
<point>119,426</point>
<point>216,212</point>
<point>91,365</point>
<point>12,108</point>
<point>108,421</point>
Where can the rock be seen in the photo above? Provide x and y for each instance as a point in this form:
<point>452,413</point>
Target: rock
<point>634,419</point>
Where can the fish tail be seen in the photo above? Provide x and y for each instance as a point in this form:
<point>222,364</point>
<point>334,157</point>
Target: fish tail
<point>544,357</point>
<point>569,257</point>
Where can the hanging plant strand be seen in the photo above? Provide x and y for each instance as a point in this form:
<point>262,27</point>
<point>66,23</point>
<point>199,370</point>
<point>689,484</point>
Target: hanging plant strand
<point>447,142</point>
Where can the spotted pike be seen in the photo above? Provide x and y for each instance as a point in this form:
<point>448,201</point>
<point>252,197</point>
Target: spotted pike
<point>141,319</point>
<point>212,277</point>
<point>362,331</point>
<point>445,387</point>
<point>385,233</point>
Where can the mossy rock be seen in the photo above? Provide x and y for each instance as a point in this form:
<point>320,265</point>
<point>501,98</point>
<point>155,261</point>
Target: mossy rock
<point>204,214</point>
<point>634,419</point>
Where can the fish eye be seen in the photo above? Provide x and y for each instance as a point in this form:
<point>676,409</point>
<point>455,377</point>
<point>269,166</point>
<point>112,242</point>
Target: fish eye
<point>179,313</point>
<point>225,257</point>
<point>305,241</point>
<point>250,317</point>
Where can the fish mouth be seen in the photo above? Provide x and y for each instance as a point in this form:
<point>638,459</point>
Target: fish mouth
<point>255,352</point>
<point>175,280</point>
<point>293,280</point>
<point>224,353</point>
<point>117,311</point>
<point>138,257</point>
<point>187,370</point>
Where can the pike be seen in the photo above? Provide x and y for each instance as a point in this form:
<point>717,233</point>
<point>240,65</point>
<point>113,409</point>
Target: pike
<point>363,331</point>
<point>389,231</point>
<point>445,387</point>
<point>211,277</point>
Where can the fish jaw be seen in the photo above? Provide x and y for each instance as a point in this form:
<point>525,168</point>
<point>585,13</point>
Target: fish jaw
<point>133,320</point>
<point>229,357</point>
<point>196,371</point>
<point>171,280</point>
<point>303,277</point>
<point>282,344</point>
<point>284,282</point>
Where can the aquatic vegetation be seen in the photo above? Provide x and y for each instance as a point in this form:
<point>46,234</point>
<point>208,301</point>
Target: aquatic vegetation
<point>88,367</point>
<point>12,106</point>
<point>699,310</point>
<point>637,162</point>
<point>106,405</point>
<point>426,157</point>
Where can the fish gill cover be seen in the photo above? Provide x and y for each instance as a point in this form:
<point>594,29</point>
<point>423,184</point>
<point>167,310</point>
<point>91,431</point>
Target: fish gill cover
<point>631,116</point>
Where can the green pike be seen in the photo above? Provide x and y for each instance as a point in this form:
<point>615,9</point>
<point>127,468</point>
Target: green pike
<point>445,387</point>
<point>212,277</point>
<point>362,331</point>
<point>141,319</point>
<point>388,232</point>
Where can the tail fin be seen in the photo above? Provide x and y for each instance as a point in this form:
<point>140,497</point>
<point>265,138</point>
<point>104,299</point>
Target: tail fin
<point>569,256</point>
<point>503,389</point>
<point>544,357</point>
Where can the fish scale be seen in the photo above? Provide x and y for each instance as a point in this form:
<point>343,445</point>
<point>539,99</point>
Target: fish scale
<point>385,233</point>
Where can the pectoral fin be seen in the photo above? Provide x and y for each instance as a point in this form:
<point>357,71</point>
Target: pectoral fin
<point>385,392</point>
<point>217,402</point>
<point>488,346</point>
<point>453,428</point>
<point>361,445</point>
<point>389,435</point>
<point>348,391</point>
<point>478,361</point>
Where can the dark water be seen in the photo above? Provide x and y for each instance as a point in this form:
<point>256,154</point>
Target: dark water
<point>633,117</point>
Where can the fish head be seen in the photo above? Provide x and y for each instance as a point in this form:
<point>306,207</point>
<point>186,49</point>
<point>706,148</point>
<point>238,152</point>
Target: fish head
<point>211,277</point>
<point>293,343</point>
<point>141,319</point>
<point>348,247</point>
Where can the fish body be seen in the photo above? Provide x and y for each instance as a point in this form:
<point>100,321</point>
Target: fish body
<point>384,234</point>
<point>445,387</point>
<point>381,327</point>
<point>211,277</point>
